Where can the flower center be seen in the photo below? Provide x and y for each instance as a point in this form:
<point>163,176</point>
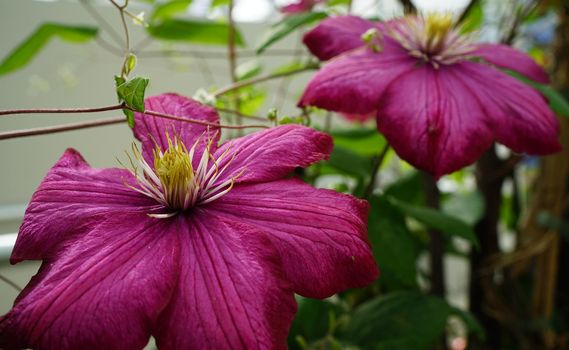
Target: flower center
<point>174,182</point>
<point>431,38</point>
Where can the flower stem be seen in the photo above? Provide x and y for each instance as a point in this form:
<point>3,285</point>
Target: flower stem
<point>61,110</point>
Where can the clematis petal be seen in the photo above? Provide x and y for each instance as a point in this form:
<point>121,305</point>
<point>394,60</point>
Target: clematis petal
<point>299,6</point>
<point>274,153</point>
<point>504,56</point>
<point>230,294</point>
<point>320,235</point>
<point>151,130</point>
<point>430,119</point>
<point>336,35</point>
<point>103,291</point>
<point>68,201</point>
<point>518,115</point>
<point>353,83</point>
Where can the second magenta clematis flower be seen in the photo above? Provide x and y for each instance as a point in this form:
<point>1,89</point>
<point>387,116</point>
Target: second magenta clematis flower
<point>200,245</point>
<point>439,98</point>
<point>300,6</point>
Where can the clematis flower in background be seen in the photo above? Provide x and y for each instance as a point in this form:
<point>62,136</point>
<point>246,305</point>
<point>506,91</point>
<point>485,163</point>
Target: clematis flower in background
<point>439,98</point>
<point>200,245</point>
<point>299,6</point>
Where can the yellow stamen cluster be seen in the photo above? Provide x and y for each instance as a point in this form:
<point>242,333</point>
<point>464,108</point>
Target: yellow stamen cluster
<point>437,25</point>
<point>175,171</point>
<point>176,181</point>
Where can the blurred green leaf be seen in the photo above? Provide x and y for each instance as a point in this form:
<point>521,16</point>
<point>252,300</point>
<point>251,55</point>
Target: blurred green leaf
<point>248,69</point>
<point>350,162</point>
<point>395,249</point>
<point>408,189</point>
<point>438,220</point>
<point>312,320</point>
<point>200,32</point>
<point>474,18</point>
<point>217,3</point>
<point>286,26</point>
<point>169,9</point>
<point>400,320</point>
<point>468,206</point>
<point>132,93</point>
<point>365,144</point>
<point>474,327</point>
<point>26,51</point>
<point>557,102</point>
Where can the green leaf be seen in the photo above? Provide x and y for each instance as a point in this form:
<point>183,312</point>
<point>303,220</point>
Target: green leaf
<point>200,32</point>
<point>468,207</point>
<point>474,18</point>
<point>26,51</point>
<point>438,220</point>
<point>169,9</point>
<point>350,162</point>
<point>366,144</point>
<point>408,189</point>
<point>132,93</point>
<point>400,320</point>
<point>394,247</point>
<point>311,321</point>
<point>474,327</point>
<point>248,69</point>
<point>557,102</point>
<point>287,25</point>
<point>217,3</point>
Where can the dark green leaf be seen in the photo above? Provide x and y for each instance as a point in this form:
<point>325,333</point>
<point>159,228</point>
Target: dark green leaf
<point>401,320</point>
<point>26,51</point>
<point>408,189</point>
<point>395,249</point>
<point>311,321</point>
<point>129,117</point>
<point>169,9</point>
<point>366,144</point>
<point>557,102</point>
<point>438,220</point>
<point>287,25</point>
<point>193,31</point>
<point>350,162</point>
<point>132,93</point>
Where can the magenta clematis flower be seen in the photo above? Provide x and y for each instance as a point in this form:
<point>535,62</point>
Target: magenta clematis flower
<point>300,6</point>
<point>438,97</point>
<point>202,246</point>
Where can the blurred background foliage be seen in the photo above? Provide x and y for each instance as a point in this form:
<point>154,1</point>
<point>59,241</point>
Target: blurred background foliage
<point>478,260</point>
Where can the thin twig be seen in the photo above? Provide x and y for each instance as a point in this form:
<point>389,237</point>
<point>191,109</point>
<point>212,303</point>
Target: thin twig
<point>262,78</point>
<point>102,21</point>
<point>11,283</point>
<point>201,122</point>
<point>61,110</point>
<point>232,58</point>
<point>60,128</point>
<point>213,54</point>
<point>377,165</point>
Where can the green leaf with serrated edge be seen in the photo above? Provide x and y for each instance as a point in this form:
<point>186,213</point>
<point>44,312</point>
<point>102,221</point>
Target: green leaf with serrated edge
<point>200,32</point>
<point>132,93</point>
<point>557,102</point>
<point>286,26</point>
<point>27,50</point>
<point>169,9</point>
<point>438,220</point>
<point>410,320</point>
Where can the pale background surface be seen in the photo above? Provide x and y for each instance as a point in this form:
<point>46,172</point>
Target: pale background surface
<point>67,75</point>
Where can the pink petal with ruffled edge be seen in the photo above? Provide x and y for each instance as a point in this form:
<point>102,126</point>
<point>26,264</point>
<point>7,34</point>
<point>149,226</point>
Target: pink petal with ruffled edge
<point>507,57</point>
<point>274,153</point>
<point>230,294</point>
<point>518,115</point>
<point>337,35</point>
<point>71,199</point>
<point>102,291</point>
<point>321,235</point>
<point>353,83</point>
<point>432,121</point>
<point>151,130</point>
